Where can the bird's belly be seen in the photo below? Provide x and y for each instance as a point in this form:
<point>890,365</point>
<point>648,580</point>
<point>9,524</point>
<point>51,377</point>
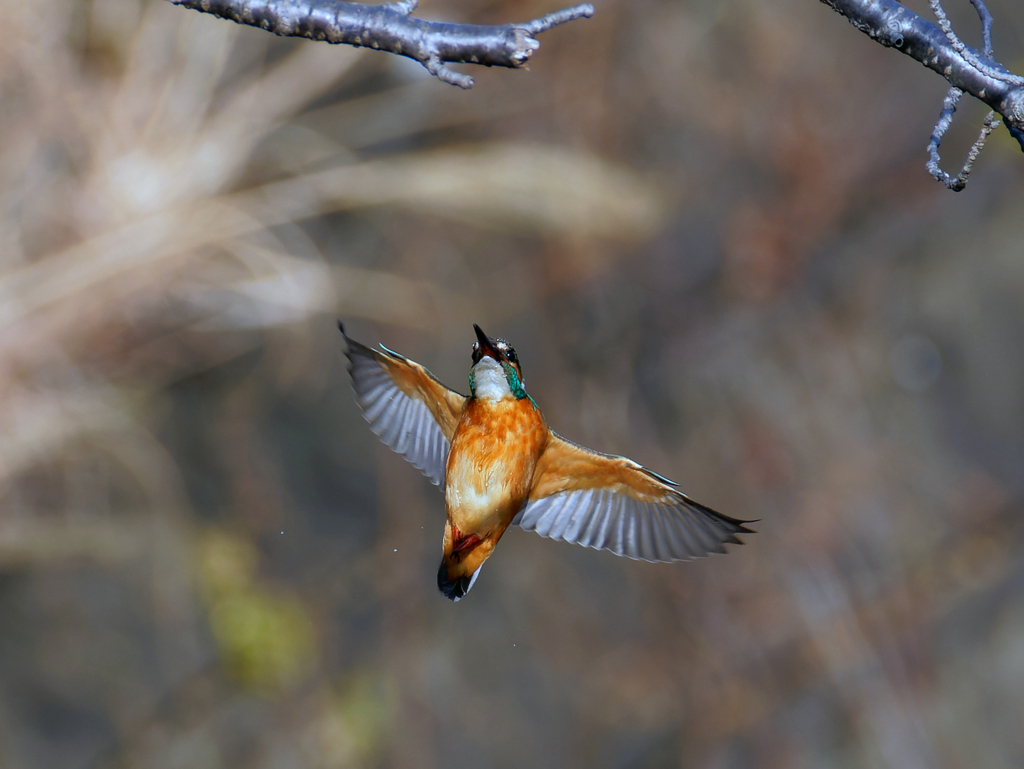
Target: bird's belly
<point>476,491</point>
<point>490,469</point>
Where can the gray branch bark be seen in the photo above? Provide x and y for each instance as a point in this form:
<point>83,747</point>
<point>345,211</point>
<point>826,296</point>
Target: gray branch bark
<point>391,27</point>
<point>895,26</point>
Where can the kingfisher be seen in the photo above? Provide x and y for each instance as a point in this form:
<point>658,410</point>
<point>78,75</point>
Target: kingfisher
<point>500,464</point>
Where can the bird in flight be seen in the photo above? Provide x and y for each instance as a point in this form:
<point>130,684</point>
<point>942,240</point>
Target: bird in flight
<point>499,464</point>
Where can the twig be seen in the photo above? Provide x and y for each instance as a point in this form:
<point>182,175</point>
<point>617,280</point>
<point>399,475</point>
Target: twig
<point>391,27</point>
<point>958,182</point>
<point>972,58</point>
<point>953,96</point>
<point>986,25</point>
<point>893,25</point>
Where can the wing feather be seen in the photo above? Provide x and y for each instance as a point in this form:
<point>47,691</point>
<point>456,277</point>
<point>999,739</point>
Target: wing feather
<point>587,528</point>
<point>612,503</point>
<point>409,410</point>
<point>577,522</point>
<point>601,529</point>
<point>669,537</point>
<point>659,536</point>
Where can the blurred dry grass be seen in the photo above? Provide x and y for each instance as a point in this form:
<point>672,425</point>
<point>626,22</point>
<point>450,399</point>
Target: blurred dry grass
<point>708,231</point>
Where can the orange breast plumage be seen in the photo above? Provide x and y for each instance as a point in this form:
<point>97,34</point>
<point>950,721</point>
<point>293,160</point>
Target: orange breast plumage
<point>491,461</point>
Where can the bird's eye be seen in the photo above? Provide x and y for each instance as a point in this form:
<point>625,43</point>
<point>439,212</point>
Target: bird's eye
<point>476,353</point>
<point>507,350</point>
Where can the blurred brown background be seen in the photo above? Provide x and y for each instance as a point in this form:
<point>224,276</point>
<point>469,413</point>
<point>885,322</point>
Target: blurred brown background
<point>707,228</point>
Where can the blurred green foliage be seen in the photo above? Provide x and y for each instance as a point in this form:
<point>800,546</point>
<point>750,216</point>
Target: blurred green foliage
<point>265,637</point>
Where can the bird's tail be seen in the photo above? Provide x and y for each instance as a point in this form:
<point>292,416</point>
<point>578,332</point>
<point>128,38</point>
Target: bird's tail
<point>455,587</point>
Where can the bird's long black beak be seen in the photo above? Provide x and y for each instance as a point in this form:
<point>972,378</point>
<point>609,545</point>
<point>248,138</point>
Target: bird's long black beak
<point>487,345</point>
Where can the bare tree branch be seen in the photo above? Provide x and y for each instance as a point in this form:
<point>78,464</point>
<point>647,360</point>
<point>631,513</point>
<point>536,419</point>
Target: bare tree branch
<point>391,27</point>
<point>953,96</point>
<point>895,26</point>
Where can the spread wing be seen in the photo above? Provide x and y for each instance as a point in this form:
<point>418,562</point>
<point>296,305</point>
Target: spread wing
<point>406,406</point>
<point>612,503</point>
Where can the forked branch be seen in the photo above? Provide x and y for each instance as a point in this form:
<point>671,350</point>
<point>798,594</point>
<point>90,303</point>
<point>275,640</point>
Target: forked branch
<point>966,69</point>
<point>391,27</point>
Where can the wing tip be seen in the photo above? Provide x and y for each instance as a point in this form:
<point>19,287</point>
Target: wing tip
<point>734,525</point>
<point>354,348</point>
<point>351,345</point>
<point>725,531</point>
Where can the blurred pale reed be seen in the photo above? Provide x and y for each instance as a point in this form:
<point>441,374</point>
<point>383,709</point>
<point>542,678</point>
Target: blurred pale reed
<point>156,137</point>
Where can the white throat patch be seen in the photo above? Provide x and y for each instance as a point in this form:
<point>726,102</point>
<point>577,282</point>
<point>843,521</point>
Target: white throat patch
<point>489,380</point>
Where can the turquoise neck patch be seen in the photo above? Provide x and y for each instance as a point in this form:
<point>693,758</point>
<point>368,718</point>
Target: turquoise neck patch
<point>514,383</point>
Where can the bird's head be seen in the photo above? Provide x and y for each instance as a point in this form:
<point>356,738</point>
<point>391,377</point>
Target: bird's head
<point>495,374</point>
